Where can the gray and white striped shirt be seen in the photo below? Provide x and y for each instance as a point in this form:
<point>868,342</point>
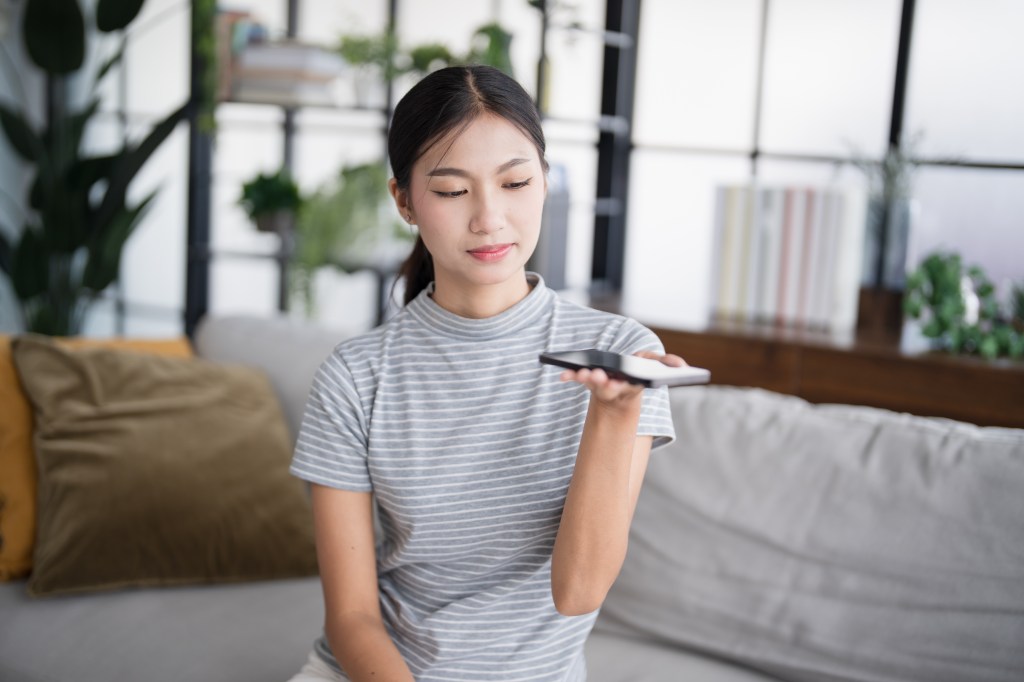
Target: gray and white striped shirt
<point>468,444</point>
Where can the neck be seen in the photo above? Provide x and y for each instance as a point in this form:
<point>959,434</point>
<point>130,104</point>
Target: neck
<point>480,301</point>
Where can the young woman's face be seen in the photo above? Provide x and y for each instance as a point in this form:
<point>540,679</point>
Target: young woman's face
<point>477,198</point>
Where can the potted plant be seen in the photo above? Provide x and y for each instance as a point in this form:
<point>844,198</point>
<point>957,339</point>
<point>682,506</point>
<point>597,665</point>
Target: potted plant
<point>491,46</point>
<point>272,201</point>
<point>69,248</point>
<point>958,309</point>
<point>429,57</point>
<point>373,62</point>
<point>348,223</point>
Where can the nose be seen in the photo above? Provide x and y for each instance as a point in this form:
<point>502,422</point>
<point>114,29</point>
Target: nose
<point>488,216</point>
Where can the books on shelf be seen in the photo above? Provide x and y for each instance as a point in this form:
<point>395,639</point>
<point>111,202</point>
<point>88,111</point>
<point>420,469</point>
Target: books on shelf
<point>286,73</point>
<point>788,255</point>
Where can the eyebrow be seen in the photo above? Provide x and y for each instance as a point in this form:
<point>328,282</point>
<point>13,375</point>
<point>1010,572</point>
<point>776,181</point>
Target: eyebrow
<point>463,174</point>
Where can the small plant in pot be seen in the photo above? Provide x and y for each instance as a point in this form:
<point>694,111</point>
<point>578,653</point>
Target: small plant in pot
<point>959,309</point>
<point>272,202</point>
<point>373,61</point>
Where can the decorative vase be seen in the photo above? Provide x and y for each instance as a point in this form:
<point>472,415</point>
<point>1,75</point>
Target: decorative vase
<point>885,258</point>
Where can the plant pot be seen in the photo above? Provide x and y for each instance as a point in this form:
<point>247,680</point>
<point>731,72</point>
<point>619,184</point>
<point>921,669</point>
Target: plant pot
<point>369,88</point>
<point>278,222</point>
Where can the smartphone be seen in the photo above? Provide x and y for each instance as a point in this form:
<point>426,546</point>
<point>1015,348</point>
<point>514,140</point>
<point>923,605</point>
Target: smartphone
<point>643,371</point>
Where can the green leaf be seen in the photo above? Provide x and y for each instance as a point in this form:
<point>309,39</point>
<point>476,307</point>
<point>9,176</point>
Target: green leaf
<point>77,123</point>
<point>5,254</point>
<point>54,35</point>
<point>85,173</point>
<point>110,63</point>
<point>989,347</point>
<point>38,195</point>
<point>932,330</point>
<point>43,320</point>
<point>1016,345</point>
<point>31,266</point>
<point>128,165</point>
<point>912,307</point>
<point>23,139</point>
<point>104,262</point>
<point>114,15</point>
<point>956,339</point>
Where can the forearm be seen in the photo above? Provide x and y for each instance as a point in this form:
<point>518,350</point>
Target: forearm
<point>365,650</point>
<point>593,534</point>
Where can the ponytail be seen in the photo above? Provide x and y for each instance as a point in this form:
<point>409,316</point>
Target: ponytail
<point>417,271</point>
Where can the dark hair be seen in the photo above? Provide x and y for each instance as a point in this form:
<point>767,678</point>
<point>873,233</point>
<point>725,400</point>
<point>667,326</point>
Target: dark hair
<point>444,101</point>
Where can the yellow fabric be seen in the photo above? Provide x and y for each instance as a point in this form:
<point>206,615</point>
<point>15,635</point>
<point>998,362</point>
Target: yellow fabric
<point>17,463</point>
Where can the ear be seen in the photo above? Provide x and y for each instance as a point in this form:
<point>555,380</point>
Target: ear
<point>401,198</point>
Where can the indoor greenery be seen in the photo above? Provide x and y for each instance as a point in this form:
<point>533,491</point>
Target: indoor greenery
<point>490,45</point>
<point>342,224</point>
<point>371,50</point>
<point>271,201</point>
<point>70,244</point>
<point>959,308</point>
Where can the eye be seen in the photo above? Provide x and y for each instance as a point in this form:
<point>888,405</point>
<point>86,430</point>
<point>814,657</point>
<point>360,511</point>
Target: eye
<point>517,185</point>
<point>450,195</point>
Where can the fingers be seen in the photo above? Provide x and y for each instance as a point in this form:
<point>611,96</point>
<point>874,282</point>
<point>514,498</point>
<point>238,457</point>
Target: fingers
<point>600,384</point>
<point>670,359</point>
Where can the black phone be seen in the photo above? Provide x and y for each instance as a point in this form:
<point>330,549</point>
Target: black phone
<point>643,371</point>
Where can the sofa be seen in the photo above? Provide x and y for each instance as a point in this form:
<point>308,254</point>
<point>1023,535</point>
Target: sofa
<point>773,540</point>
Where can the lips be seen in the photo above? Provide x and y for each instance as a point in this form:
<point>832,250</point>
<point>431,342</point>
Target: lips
<point>491,252</point>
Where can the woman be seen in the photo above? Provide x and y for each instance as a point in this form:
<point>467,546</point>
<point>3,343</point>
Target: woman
<point>504,489</point>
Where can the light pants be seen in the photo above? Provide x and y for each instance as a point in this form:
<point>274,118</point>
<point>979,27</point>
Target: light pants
<point>316,670</point>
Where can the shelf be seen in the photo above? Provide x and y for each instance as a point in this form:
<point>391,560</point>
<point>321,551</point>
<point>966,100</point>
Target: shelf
<point>824,368</point>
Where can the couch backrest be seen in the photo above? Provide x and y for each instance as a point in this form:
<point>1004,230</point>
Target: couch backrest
<point>829,542</point>
<point>288,350</point>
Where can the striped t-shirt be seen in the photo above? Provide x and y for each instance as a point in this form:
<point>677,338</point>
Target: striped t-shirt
<point>468,444</point>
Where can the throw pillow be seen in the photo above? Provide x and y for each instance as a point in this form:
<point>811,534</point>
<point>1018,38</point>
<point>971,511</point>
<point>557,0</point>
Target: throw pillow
<point>159,471</point>
<point>17,463</point>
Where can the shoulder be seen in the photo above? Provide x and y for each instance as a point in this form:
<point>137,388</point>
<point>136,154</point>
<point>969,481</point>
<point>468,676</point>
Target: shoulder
<point>357,359</point>
<point>615,332</point>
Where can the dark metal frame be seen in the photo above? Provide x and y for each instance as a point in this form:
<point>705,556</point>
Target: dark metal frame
<point>614,146</point>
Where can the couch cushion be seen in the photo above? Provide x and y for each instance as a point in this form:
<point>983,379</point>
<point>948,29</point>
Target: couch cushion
<point>156,470</point>
<point>829,543</point>
<point>616,658</point>
<point>17,462</point>
<point>252,632</point>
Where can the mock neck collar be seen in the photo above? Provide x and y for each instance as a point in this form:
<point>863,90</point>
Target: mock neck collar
<point>523,314</point>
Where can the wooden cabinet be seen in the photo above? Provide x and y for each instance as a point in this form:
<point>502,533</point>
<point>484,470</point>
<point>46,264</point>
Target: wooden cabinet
<point>823,370</point>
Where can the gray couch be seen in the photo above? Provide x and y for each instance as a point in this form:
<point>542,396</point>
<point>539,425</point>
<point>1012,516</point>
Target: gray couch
<point>775,540</point>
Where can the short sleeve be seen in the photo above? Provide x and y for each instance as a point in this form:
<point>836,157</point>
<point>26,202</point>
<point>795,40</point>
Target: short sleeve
<point>655,412</point>
<point>331,448</point>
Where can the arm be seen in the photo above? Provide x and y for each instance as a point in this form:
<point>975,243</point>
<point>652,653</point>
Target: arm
<point>348,574</point>
<point>593,534</point>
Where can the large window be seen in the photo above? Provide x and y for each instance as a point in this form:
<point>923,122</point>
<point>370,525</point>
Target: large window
<point>825,72</point>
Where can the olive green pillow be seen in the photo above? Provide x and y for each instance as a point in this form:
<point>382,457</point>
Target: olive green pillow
<point>158,471</point>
